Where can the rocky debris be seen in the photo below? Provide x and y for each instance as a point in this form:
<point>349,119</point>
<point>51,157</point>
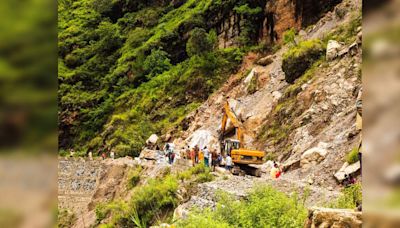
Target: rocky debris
<point>353,48</point>
<point>332,50</point>
<point>152,139</point>
<point>313,156</point>
<point>149,154</point>
<point>266,60</point>
<point>291,165</point>
<point>347,169</point>
<point>328,217</point>
<point>203,138</point>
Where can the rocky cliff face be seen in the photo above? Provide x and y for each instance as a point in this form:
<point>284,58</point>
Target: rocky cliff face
<point>276,17</point>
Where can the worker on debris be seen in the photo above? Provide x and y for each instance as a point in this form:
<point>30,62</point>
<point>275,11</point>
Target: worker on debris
<point>90,155</point>
<point>275,171</point>
<point>112,154</point>
<point>169,153</point>
<point>228,162</point>
<point>206,154</point>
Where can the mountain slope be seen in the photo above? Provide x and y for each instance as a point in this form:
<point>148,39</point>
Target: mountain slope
<point>113,57</point>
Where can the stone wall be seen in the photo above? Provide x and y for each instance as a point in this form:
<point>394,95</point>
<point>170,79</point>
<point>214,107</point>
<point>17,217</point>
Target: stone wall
<point>77,182</point>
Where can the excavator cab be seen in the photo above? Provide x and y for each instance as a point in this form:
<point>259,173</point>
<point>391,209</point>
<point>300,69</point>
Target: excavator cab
<point>229,145</point>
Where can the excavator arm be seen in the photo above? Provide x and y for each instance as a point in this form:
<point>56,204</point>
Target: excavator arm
<point>236,123</point>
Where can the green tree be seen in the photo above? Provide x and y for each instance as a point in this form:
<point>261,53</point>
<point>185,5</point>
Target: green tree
<point>156,63</point>
<point>200,42</point>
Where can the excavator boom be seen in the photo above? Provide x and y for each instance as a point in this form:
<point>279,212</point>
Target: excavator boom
<point>241,157</point>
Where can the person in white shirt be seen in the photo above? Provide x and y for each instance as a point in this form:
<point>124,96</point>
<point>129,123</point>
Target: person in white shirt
<point>228,161</point>
<point>206,153</point>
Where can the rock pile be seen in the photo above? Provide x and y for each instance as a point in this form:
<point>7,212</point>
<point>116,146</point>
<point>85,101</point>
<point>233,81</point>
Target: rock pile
<point>327,217</point>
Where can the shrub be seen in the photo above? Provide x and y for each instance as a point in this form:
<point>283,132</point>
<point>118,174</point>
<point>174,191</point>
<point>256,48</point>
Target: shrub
<point>299,58</point>
<point>154,198</point>
<point>351,198</point>
<point>134,177</point>
<point>65,219</point>
<point>122,150</point>
<point>289,36</point>
<point>205,177</point>
<point>265,207</point>
<point>352,156</point>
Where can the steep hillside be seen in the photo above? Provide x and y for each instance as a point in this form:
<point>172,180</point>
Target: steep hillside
<point>316,111</point>
<point>128,69</point>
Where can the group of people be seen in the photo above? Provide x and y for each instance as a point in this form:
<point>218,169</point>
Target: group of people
<point>209,158</point>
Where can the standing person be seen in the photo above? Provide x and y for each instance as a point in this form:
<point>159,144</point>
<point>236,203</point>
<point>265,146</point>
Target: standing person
<point>103,155</point>
<point>219,159</point>
<point>214,159</point>
<point>206,153</point>
<point>193,156</point>
<point>90,155</point>
<point>168,153</point>
<point>196,154</point>
<point>112,154</point>
<point>228,161</point>
<point>187,154</point>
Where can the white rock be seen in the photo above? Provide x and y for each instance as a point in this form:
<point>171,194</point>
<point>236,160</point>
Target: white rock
<point>248,78</point>
<point>332,49</point>
<point>347,169</point>
<point>152,139</point>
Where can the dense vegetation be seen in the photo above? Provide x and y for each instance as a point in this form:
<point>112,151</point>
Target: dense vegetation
<point>128,69</point>
<point>265,207</point>
<point>152,202</point>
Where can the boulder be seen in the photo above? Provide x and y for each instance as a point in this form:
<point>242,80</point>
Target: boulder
<point>332,49</point>
<point>148,154</point>
<point>152,139</point>
<point>328,217</point>
<point>265,60</point>
<point>313,156</point>
<point>347,169</point>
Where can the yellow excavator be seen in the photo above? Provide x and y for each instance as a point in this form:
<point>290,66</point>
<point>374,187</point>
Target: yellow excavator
<point>241,157</point>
